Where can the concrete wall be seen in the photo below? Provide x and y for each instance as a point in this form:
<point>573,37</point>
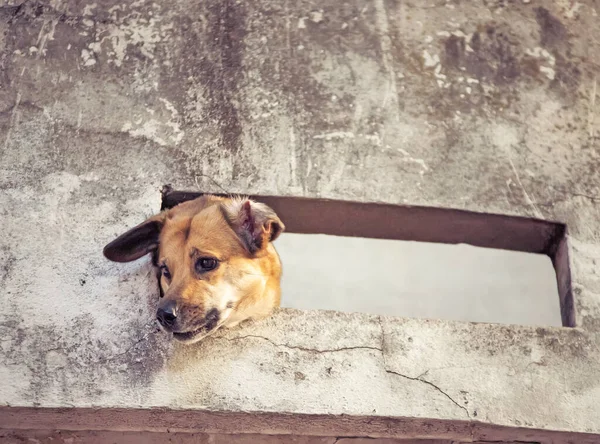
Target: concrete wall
<point>487,106</point>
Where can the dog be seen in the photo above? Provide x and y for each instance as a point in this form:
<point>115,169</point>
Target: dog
<point>217,263</point>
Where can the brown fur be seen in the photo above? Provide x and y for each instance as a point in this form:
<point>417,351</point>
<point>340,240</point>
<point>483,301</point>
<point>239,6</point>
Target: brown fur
<point>236,232</point>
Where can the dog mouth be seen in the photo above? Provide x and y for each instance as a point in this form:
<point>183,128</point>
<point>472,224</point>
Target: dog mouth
<point>194,334</point>
<point>211,323</point>
<point>204,330</point>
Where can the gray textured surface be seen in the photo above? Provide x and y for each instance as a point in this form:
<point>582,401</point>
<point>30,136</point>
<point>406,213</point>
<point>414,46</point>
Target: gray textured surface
<point>487,106</point>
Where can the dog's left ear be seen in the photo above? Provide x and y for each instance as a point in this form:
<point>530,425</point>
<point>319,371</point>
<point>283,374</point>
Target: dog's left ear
<point>136,242</point>
<point>255,223</point>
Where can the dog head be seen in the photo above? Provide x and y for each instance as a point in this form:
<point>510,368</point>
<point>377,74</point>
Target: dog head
<point>216,261</point>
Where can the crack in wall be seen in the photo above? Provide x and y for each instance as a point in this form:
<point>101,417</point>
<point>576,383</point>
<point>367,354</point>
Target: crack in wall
<point>380,349</point>
<point>128,349</point>
<point>306,349</point>
<point>417,378</point>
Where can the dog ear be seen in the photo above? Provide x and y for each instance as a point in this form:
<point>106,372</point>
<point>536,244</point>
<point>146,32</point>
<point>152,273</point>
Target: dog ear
<point>255,223</point>
<point>136,242</point>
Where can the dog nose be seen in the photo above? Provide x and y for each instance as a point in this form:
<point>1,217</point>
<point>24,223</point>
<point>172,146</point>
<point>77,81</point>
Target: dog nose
<point>167,314</point>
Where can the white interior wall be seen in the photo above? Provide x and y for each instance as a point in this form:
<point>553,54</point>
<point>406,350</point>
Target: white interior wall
<point>417,279</point>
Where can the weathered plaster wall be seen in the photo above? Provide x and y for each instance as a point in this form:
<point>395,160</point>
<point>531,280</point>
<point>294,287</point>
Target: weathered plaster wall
<point>486,105</point>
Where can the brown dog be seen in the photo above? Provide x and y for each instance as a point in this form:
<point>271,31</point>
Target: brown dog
<point>218,265</point>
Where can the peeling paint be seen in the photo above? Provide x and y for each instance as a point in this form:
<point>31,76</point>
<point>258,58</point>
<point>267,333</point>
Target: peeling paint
<point>129,29</point>
<point>88,57</point>
<point>335,135</point>
<point>430,60</point>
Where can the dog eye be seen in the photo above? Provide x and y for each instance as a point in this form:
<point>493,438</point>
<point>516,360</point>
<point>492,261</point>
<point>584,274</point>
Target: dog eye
<point>165,272</point>
<point>206,264</point>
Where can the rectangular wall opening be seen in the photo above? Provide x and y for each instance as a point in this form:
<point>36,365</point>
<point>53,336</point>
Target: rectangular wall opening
<point>418,279</point>
<point>419,261</point>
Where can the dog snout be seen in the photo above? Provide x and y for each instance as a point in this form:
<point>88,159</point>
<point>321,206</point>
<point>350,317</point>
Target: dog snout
<point>167,314</point>
<point>212,318</point>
